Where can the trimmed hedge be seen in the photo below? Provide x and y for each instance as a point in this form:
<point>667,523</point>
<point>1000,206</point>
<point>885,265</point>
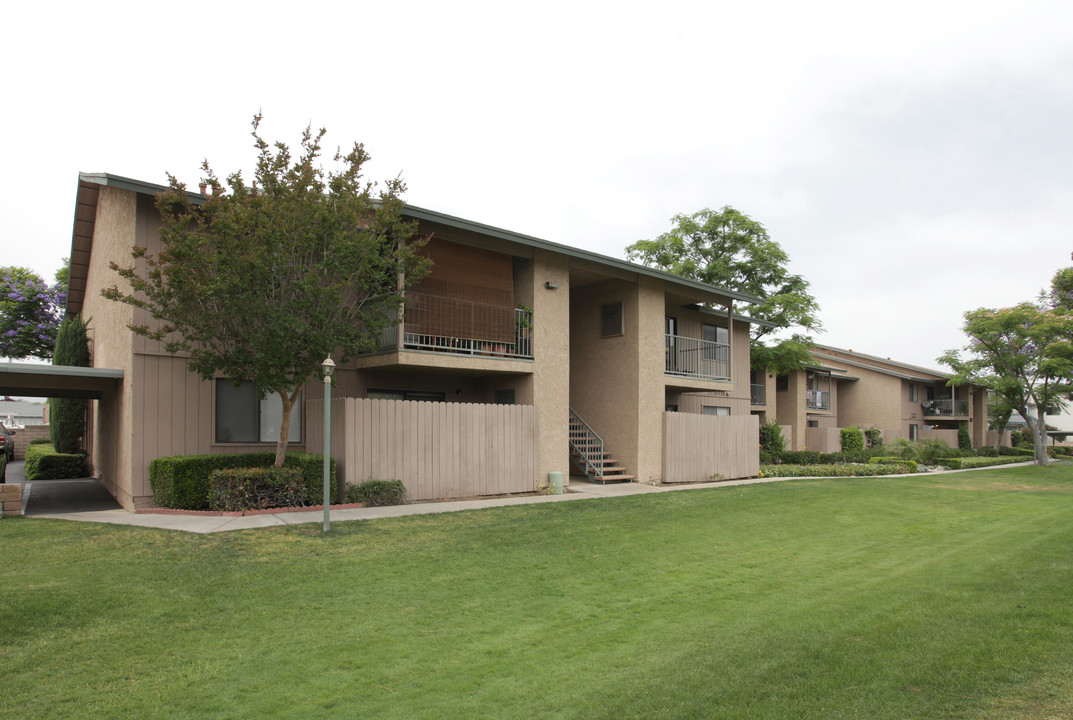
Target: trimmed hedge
<point>852,439</point>
<point>1016,451</point>
<point>976,462</point>
<point>184,482</point>
<point>377,493</point>
<point>44,463</point>
<point>843,470</point>
<point>909,466</point>
<point>260,488</point>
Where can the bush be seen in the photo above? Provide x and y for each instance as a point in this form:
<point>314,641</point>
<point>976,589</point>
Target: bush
<point>184,482</point>
<point>910,466</point>
<point>40,441</point>
<point>801,457</point>
<point>874,436</point>
<point>975,462</point>
<point>771,439</point>
<point>1020,452</point>
<point>67,416</point>
<point>843,470</point>
<point>987,451</point>
<point>852,439</point>
<point>964,439</point>
<point>44,463</point>
<point>257,488</point>
<point>377,493</point>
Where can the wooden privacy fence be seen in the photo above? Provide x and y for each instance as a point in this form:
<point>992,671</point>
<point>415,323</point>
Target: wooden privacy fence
<point>696,447</point>
<point>823,439</point>
<point>438,450</point>
<point>949,436</point>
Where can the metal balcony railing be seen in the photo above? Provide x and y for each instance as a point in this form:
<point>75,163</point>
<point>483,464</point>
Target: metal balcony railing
<point>758,395</point>
<point>818,399</point>
<point>522,347</point>
<point>692,357</point>
<point>946,407</point>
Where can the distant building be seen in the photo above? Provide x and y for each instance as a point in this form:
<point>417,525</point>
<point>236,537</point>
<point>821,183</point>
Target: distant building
<point>19,413</point>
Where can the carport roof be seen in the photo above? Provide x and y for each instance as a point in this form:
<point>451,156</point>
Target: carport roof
<point>32,380</point>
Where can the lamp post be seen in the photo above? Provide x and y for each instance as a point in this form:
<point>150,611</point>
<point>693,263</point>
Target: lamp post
<point>328,367</point>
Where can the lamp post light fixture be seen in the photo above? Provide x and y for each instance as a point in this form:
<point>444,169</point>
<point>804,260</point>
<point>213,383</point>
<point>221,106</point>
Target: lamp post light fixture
<point>328,367</point>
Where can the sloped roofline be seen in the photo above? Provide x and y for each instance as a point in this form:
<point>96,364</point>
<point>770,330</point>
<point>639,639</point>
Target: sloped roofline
<point>934,375</point>
<point>419,213</point>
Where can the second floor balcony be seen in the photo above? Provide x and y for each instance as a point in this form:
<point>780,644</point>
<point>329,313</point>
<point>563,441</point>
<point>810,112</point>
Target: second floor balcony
<point>695,358</point>
<point>461,327</point>
<point>757,395</point>
<point>818,399</point>
<point>945,407</point>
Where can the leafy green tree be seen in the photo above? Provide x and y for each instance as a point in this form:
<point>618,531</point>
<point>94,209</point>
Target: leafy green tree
<point>67,416</point>
<point>261,282</point>
<point>729,249</point>
<point>1025,355</point>
<point>30,313</point>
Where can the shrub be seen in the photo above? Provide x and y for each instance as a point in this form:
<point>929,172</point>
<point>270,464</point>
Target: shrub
<point>39,441</point>
<point>975,462</point>
<point>964,439</point>
<point>910,466</point>
<point>257,488</point>
<point>377,493</point>
<point>987,451</point>
<point>852,439</point>
<point>874,436</point>
<point>771,439</point>
<point>44,463</point>
<point>801,457</point>
<point>1020,452</point>
<point>183,481</point>
<point>843,470</point>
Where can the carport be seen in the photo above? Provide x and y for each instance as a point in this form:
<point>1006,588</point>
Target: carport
<point>55,381</point>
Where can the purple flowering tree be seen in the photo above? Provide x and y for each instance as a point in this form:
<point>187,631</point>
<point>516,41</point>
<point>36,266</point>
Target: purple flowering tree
<point>30,313</point>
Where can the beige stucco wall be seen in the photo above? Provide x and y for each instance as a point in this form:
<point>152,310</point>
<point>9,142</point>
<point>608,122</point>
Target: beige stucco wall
<point>113,434</point>
<point>604,389</point>
<point>550,380</point>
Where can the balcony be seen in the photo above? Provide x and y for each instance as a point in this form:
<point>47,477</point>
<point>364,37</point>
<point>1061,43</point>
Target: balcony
<point>694,358</point>
<point>818,399</point>
<point>945,407</point>
<point>517,344</point>
<point>757,395</point>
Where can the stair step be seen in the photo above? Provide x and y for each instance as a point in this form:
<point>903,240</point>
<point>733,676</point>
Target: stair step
<point>614,478</point>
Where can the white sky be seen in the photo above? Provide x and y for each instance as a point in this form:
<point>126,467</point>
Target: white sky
<point>913,158</point>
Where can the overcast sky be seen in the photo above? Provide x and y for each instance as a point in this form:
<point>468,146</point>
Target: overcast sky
<point>914,159</point>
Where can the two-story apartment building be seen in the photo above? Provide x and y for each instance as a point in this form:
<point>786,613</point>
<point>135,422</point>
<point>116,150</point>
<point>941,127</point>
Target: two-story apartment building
<point>844,388</point>
<point>515,357</point>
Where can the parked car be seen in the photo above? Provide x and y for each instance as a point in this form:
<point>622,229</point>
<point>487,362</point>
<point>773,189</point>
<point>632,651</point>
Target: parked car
<point>7,442</point>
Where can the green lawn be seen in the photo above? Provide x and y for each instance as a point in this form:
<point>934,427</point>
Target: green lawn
<point>917,597</point>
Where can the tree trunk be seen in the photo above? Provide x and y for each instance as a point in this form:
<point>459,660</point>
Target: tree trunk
<point>284,424</point>
<point>1039,437</point>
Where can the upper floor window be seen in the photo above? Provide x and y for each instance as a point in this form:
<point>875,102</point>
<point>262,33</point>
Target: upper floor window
<point>611,319</point>
<point>913,393</point>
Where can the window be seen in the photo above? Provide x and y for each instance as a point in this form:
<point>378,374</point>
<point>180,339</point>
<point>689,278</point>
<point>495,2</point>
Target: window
<point>244,417</point>
<point>715,334</point>
<point>782,383</point>
<point>714,410</point>
<point>914,432</point>
<point>505,397</point>
<point>814,423</point>
<point>913,395</point>
<point>611,319</point>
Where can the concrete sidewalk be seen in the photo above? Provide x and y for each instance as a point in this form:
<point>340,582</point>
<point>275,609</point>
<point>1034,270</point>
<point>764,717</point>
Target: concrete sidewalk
<point>578,490</point>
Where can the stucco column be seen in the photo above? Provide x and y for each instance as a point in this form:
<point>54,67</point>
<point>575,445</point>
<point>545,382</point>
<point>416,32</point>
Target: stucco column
<point>551,361</point>
<point>651,380</point>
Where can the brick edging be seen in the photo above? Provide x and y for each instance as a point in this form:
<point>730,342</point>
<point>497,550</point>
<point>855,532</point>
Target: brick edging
<point>244,513</point>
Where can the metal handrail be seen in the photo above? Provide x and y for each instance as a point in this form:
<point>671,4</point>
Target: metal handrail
<point>587,443</point>
<point>693,357</point>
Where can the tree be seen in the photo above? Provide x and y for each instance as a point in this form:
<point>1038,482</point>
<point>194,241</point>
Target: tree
<point>729,249</point>
<point>30,313</point>
<point>67,416</point>
<point>260,283</point>
<point>1025,355</point>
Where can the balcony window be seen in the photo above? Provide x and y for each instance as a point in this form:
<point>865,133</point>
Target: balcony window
<point>611,319</point>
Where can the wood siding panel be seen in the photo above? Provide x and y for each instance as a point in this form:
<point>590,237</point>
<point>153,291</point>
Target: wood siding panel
<point>698,447</point>
<point>437,450</point>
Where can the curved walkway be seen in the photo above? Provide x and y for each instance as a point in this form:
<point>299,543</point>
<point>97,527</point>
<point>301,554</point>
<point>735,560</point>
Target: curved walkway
<point>81,500</point>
